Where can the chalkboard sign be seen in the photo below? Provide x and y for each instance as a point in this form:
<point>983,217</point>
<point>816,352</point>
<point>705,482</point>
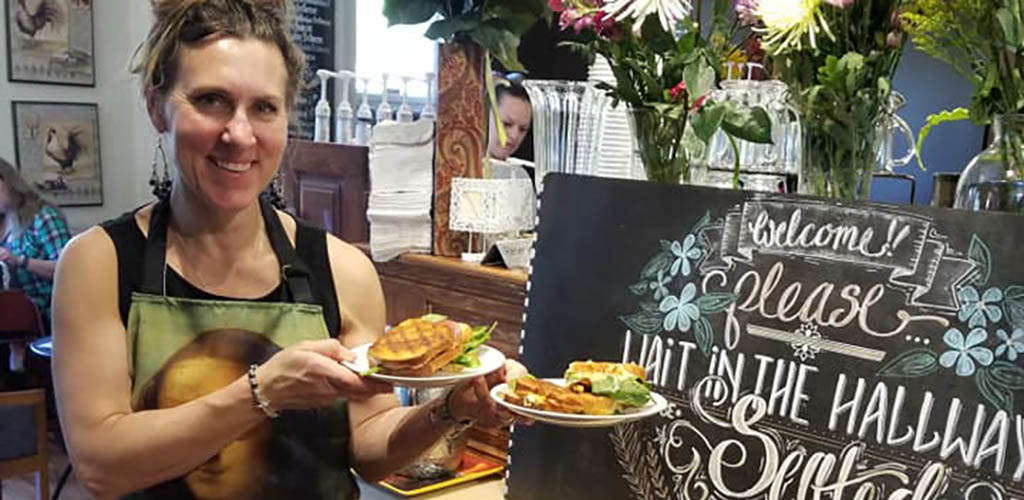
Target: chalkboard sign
<point>313,32</point>
<point>809,349</point>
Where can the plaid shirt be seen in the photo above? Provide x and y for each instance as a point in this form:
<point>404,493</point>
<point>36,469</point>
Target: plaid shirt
<point>43,240</point>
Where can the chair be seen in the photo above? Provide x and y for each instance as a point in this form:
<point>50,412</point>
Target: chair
<point>20,319</point>
<point>23,438</point>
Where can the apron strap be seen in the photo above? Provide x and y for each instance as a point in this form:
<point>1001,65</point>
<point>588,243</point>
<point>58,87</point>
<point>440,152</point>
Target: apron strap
<point>293,271</point>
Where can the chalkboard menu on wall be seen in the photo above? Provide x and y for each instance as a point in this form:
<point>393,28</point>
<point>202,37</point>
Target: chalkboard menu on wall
<point>809,349</point>
<point>313,32</point>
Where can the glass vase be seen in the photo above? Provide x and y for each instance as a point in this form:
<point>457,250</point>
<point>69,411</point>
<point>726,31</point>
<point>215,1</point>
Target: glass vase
<point>567,122</point>
<point>994,179</point>
<point>659,145</point>
<point>839,162</point>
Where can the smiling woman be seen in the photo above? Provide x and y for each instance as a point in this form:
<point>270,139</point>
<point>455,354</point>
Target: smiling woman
<point>219,80</point>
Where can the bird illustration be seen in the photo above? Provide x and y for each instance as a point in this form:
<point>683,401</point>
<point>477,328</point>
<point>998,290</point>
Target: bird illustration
<point>47,12</point>
<point>65,151</point>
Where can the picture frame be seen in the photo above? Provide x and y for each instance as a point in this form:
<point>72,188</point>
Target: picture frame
<point>50,41</point>
<point>57,148</point>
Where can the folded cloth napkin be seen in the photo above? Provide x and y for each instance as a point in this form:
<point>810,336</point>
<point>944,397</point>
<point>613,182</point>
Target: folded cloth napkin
<point>402,156</point>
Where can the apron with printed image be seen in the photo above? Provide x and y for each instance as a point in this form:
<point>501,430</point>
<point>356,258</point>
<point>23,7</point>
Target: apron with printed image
<point>180,349</point>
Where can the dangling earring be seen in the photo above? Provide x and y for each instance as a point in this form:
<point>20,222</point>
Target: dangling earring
<point>161,185</point>
<point>275,191</point>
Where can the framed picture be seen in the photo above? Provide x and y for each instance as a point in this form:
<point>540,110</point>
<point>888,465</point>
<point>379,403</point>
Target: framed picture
<point>58,150</point>
<point>50,41</point>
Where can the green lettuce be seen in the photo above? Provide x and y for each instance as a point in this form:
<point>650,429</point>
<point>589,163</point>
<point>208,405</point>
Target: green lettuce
<point>470,357</point>
<point>625,389</point>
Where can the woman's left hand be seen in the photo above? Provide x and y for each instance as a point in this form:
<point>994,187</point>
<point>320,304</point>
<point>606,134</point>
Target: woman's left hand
<point>8,257</point>
<point>472,401</point>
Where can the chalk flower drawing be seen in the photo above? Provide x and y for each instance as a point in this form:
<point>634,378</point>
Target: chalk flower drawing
<point>688,250</point>
<point>965,352</point>
<point>680,312</point>
<point>975,308</point>
<point>659,285</point>
<point>670,300</point>
<point>1012,345</point>
<point>805,350</point>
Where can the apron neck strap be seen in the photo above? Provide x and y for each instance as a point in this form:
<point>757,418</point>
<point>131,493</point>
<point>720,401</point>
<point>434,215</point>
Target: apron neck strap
<point>293,271</point>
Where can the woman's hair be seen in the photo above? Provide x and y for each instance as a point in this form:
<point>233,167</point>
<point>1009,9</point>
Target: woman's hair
<point>27,202</point>
<point>510,85</point>
<point>189,22</point>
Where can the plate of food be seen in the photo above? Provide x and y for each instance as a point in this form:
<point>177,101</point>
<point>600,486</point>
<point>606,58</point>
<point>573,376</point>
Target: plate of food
<point>591,394</point>
<point>429,351</point>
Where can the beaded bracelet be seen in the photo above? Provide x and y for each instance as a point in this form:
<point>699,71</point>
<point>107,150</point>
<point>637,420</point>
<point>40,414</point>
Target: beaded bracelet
<point>258,401</point>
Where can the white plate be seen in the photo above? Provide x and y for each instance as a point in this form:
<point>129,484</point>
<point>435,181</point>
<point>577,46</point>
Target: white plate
<point>656,405</point>
<point>490,359</point>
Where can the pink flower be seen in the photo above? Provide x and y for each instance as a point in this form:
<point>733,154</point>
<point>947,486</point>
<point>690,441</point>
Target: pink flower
<point>568,18</point>
<point>583,23</point>
<point>746,11</point>
<point>698,104</point>
<point>678,91</point>
<point>842,4</point>
<point>556,5</point>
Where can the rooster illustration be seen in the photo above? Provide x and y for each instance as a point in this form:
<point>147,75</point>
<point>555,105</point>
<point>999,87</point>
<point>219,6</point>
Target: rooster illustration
<point>64,151</point>
<point>47,12</point>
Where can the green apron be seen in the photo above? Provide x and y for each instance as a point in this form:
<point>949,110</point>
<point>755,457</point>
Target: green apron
<point>180,349</point>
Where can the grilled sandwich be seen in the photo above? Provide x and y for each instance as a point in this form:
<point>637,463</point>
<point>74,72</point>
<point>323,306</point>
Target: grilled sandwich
<point>420,347</point>
<point>591,387</point>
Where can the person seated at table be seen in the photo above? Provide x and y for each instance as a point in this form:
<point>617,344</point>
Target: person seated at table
<point>33,232</point>
<point>219,80</point>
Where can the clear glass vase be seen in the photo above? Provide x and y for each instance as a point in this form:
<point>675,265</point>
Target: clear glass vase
<point>567,122</point>
<point>840,163</point>
<point>994,179</point>
<point>659,145</point>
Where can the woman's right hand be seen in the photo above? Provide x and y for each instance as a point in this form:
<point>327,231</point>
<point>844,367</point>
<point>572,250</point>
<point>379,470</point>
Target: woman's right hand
<point>309,374</point>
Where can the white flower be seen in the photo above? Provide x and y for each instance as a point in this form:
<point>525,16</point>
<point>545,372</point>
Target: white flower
<point>787,21</point>
<point>669,11</point>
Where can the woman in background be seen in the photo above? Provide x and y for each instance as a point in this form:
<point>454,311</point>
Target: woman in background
<point>515,113</point>
<point>32,234</point>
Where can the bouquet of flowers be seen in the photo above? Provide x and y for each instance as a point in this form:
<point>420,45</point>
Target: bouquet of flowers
<point>982,40</point>
<point>838,58</point>
<point>665,63</point>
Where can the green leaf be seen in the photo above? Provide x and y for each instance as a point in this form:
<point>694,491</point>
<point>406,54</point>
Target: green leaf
<point>638,288</point>
<point>1007,375</point>
<point>499,42</point>
<point>410,11</point>
<point>707,121</point>
<point>699,78</point>
<point>952,115</point>
<point>701,223</point>
<point>661,262</point>
<point>655,36</point>
<point>649,306</point>
<point>978,252</point>
<point>996,394</point>
<point>1013,305</point>
<point>445,29</point>
<point>643,322</point>
<point>714,302</point>
<point>910,364</point>
<point>748,123</point>
<point>704,335</point>
<point>1010,27</point>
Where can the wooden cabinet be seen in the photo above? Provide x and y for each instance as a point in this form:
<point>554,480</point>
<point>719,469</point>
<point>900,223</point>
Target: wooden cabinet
<point>328,185</point>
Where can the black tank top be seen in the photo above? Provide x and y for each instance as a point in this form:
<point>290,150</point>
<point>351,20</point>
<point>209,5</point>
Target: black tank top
<point>310,245</point>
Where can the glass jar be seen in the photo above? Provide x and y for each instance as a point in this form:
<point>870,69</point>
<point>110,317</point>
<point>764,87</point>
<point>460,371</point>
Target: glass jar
<point>444,456</point>
<point>658,141</point>
<point>994,180</point>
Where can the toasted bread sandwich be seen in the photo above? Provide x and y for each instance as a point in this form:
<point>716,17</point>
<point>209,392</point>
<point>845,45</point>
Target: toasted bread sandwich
<point>420,347</point>
<point>592,388</point>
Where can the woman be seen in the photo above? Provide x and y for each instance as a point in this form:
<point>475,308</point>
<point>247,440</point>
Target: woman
<point>515,113</point>
<point>32,235</point>
<point>220,78</point>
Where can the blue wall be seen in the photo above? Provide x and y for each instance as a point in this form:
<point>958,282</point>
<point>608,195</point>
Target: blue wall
<point>930,86</point>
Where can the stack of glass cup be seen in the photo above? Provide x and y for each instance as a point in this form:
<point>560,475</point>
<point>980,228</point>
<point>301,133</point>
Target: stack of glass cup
<point>567,121</point>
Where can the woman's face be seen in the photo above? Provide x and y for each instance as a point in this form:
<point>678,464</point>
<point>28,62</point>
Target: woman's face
<point>225,119</point>
<point>515,116</point>
<point>237,471</point>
